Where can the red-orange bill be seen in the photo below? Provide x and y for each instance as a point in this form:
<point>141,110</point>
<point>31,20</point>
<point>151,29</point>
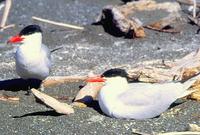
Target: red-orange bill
<point>15,39</point>
<point>95,79</point>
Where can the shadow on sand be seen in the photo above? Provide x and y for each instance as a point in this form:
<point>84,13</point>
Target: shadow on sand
<point>19,84</point>
<point>40,113</point>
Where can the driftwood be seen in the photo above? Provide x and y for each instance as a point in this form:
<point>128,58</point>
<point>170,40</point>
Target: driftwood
<point>87,94</point>
<point>9,98</point>
<point>62,108</point>
<point>116,20</point>
<point>162,24</point>
<point>58,80</point>
<point>179,70</point>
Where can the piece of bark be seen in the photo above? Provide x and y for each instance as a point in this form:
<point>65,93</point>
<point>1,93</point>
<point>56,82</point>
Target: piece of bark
<point>162,24</point>
<point>87,94</point>
<point>116,20</point>
<point>58,80</point>
<point>181,69</point>
<point>62,108</point>
<point>9,98</point>
<point>116,23</point>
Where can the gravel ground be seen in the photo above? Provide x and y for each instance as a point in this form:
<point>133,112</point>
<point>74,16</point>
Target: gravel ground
<point>89,50</point>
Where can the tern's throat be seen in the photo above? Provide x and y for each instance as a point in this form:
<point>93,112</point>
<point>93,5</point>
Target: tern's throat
<point>32,42</point>
<point>116,85</point>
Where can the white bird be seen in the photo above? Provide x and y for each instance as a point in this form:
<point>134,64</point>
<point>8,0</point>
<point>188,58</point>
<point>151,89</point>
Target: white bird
<point>32,57</point>
<point>120,99</point>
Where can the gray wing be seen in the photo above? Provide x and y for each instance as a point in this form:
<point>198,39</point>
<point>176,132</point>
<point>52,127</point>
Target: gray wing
<point>47,53</point>
<point>149,94</point>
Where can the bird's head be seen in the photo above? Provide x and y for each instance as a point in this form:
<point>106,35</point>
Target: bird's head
<point>31,33</point>
<point>115,74</point>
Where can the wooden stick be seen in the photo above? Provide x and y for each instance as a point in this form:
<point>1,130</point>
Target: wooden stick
<point>8,26</point>
<point>6,13</point>
<point>57,80</point>
<point>194,8</point>
<point>58,23</point>
<point>8,98</point>
<point>62,108</point>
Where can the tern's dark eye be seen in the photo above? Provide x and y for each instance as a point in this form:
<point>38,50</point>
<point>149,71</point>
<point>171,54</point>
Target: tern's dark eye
<point>30,29</point>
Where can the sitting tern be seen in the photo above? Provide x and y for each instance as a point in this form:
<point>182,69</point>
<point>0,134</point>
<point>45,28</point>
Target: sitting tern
<point>120,99</point>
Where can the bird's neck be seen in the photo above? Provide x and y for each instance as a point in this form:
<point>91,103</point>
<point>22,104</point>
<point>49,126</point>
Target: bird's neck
<point>33,43</point>
<point>116,86</point>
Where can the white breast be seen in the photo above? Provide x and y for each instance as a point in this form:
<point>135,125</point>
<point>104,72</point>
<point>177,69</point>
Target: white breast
<point>32,63</point>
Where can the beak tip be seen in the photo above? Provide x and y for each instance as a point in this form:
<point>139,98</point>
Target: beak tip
<point>95,79</point>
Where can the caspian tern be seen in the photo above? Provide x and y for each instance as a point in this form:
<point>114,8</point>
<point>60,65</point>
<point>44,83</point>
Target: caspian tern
<point>120,99</point>
<point>32,57</point>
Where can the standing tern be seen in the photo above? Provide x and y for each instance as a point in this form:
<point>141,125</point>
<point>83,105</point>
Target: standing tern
<point>120,99</point>
<point>32,58</point>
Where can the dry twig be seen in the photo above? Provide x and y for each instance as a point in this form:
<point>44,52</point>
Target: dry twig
<point>58,23</point>
<point>194,8</point>
<point>5,15</point>
<point>9,98</point>
<point>57,80</point>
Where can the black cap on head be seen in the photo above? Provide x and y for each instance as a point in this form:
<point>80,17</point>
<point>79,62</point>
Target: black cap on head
<point>30,29</point>
<point>115,72</point>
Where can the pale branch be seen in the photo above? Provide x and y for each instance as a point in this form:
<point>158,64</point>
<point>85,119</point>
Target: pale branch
<point>7,26</point>
<point>57,23</point>
<point>194,8</point>
<point>5,15</point>
<point>57,80</point>
<point>9,98</point>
